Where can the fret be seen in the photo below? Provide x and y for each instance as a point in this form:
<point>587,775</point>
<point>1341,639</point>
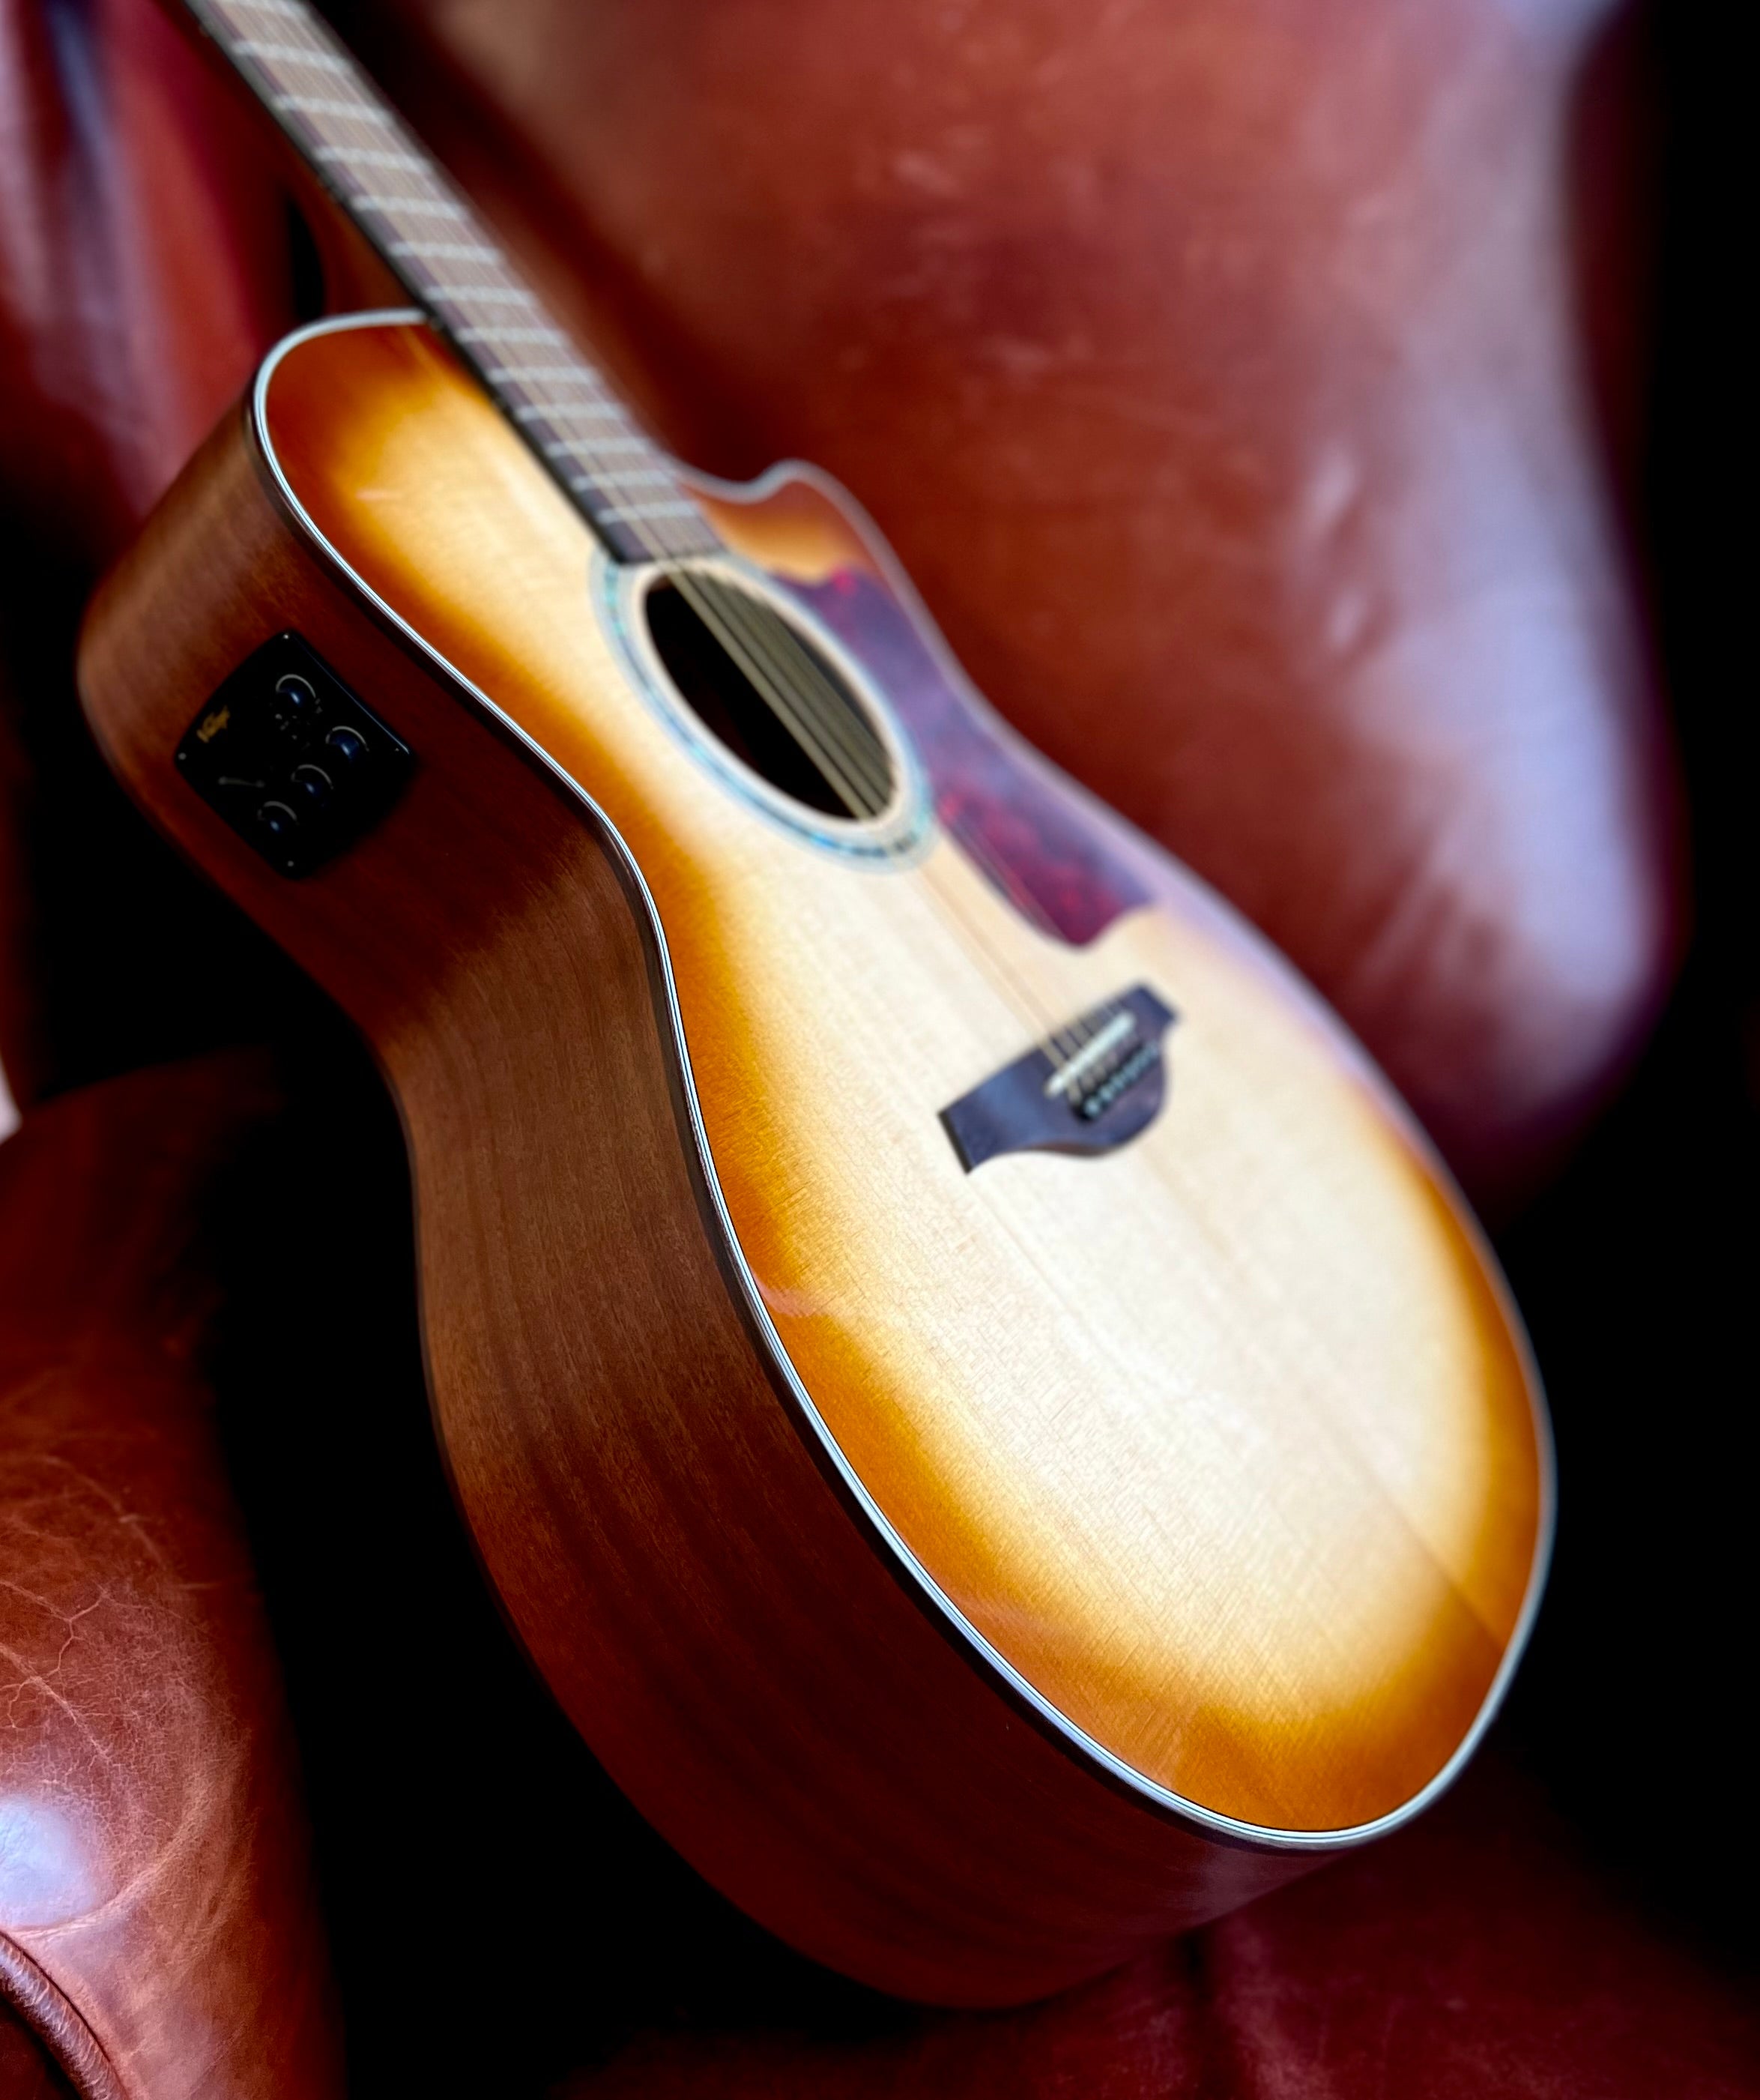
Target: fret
<point>544,412</point>
<point>491,295</point>
<point>368,156</point>
<point>356,113</point>
<point>597,447</point>
<point>474,335</point>
<point>597,408</point>
<point>297,55</point>
<point>427,207</point>
<point>446,251</point>
<point>429,234</point>
<point>620,438</point>
<point>304,106</point>
<point>517,375</point>
<point>597,405</point>
<point>645,477</point>
<point>628,513</point>
<point>584,452</point>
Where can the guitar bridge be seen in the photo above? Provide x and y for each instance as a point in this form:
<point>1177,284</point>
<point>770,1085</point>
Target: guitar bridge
<point>1089,1088</point>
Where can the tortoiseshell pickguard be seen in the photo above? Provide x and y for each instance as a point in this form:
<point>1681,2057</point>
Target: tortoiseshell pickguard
<point>1055,870</point>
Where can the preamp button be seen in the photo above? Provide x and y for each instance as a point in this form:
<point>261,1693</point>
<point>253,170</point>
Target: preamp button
<point>316,789</point>
<point>295,709</point>
<point>278,820</point>
<point>294,761</point>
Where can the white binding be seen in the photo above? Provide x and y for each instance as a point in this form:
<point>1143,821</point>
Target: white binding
<point>1227,1828</point>
<point>901,832</point>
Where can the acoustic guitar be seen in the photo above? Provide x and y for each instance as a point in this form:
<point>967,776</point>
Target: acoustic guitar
<point>979,1403</point>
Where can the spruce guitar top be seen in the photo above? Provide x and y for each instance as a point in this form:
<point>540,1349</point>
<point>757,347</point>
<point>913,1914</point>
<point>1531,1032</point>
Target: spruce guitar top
<point>970,1390</point>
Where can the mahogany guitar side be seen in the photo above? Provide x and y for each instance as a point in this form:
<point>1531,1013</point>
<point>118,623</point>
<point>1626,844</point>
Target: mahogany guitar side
<point>887,1678</point>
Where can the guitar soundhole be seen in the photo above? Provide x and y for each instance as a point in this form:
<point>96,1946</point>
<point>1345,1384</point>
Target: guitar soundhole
<point>758,685</point>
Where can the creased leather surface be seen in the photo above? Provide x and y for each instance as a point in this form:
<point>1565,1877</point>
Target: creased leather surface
<point>1216,368</point>
<point>144,261</point>
<point>157,1922</point>
<point>1001,267</point>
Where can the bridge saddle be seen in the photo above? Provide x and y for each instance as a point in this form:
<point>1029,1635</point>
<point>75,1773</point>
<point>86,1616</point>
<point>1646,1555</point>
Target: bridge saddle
<point>1091,1086</point>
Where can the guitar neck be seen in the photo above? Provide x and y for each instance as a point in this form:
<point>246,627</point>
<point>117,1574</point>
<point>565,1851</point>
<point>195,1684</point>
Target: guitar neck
<point>455,269</point>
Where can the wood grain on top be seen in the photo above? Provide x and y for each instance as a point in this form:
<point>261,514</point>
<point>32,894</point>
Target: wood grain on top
<point>1223,1442</point>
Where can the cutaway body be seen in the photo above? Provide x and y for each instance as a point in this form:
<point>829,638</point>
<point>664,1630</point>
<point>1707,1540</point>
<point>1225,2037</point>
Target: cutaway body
<point>976,1557</point>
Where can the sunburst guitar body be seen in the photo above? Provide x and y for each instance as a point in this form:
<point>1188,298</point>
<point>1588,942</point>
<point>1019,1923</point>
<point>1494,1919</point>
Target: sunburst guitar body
<point>970,1390</point>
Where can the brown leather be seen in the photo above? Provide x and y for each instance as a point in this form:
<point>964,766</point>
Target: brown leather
<point>143,262</point>
<point>1216,370</point>
<point>26,2073</point>
<point>158,1928</point>
<point>20,1048</point>
<point>145,267</point>
<point>1474,1956</point>
<point>1378,260</point>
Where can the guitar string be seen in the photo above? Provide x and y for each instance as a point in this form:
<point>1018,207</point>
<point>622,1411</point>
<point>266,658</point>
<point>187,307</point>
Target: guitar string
<point>792,659</point>
<point>862,794</point>
<point>819,722</point>
<point>833,724</point>
<point>810,718</point>
<point>768,640</point>
<point>826,735</point>
<point>410,180</point>
<point>1058,1043</point>
<point>812,710</point>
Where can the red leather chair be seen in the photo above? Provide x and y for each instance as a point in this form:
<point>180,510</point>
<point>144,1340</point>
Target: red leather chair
<point>158,1925</point>
<point>1250,348</point>
<point>1221,375</point>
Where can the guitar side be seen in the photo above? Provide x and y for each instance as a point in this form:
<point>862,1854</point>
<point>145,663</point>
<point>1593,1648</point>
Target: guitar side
<point>746,1632</point>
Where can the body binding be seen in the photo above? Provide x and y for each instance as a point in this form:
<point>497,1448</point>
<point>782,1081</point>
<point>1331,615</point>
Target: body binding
<point>685,1358</point>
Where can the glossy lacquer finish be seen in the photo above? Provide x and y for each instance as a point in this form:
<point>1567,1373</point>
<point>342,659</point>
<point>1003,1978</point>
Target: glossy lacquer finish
<point>1224,374</point>
<point>1210,1469</point>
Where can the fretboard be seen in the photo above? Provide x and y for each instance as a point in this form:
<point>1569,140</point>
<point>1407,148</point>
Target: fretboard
<point>455,270</point>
